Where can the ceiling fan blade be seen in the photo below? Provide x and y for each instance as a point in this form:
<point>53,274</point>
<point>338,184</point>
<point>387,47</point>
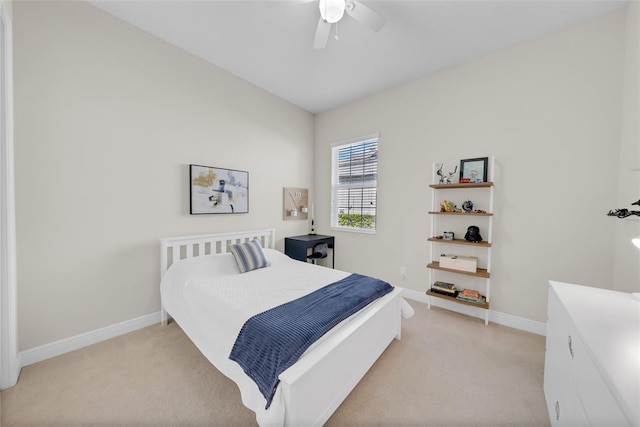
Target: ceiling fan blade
<point>366,16</point>
<point>322,34</point>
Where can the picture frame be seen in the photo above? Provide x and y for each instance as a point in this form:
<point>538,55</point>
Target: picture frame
<point>474,170</point>
<point>295,203</point>
<point>214,190</point>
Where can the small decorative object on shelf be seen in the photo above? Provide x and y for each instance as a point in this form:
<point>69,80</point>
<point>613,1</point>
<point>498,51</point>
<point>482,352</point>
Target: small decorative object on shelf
<point>473,234</point>
<point>445,179</point>
<point>447,206</point>
<point>448,235</point>
<point>459,262</point>
<point>467,206</point>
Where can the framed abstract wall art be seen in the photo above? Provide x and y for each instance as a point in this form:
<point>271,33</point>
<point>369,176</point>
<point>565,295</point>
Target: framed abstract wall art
<point>218,190</point>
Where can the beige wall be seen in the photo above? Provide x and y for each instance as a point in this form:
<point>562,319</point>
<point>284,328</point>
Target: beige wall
<point>549,111</point>
<point>107,120</point>
<point>627,257</point>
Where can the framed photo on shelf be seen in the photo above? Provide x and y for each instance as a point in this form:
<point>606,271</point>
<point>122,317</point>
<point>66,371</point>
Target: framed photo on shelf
<point>473,170</point>
<point>217,190</point>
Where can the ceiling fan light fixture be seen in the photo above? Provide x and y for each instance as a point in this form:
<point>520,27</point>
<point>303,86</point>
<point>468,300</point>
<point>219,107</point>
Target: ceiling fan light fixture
<point>332,10</point>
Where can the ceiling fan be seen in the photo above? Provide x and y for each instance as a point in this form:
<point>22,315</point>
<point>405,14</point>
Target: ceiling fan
<point>332,11</point>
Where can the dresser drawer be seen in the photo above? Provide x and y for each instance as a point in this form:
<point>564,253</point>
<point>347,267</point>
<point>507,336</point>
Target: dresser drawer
<point>561,334</point>
<point>596,397</point>
<point>557,392</point>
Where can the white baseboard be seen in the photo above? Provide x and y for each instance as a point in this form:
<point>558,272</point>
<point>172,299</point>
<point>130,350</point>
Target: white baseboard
<point>494,316</point>
<point>66,345</point>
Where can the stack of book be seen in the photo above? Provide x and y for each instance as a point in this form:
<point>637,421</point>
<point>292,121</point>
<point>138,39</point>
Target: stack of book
<point>471,296</point>
<point>444,288</point>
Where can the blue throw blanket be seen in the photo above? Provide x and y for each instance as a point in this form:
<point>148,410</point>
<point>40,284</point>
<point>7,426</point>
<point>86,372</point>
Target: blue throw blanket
<point>272,341</point>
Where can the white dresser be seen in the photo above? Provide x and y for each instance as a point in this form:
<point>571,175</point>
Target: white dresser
<point>592,362</point>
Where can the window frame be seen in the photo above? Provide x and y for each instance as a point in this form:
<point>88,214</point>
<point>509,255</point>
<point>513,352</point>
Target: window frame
<point>336,186</point>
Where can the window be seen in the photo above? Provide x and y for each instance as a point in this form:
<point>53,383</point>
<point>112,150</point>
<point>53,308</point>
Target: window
<point>354,175</point>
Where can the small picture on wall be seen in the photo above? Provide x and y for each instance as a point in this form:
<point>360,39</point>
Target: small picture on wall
<point>473,170</point>
<point>296,203</point>
<point>218,190</point>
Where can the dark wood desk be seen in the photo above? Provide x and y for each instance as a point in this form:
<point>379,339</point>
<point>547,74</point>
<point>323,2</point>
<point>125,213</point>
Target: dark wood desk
<point>297,247</point>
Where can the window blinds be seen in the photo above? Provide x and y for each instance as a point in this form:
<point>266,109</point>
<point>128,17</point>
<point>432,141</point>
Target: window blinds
<point>354,167</point>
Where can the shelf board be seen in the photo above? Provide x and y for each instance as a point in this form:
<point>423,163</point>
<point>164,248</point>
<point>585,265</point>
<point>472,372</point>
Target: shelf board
<point>458,301</point>
<point>460,213</point>
<point>482,244</point>
<point>480,272</point>
<point>469,185</point>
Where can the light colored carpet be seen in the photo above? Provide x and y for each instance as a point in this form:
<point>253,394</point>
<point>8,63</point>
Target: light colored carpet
<point>448,370</point>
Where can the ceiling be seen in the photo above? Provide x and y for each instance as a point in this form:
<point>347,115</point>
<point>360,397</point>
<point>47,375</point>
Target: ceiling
<point>270,43</point>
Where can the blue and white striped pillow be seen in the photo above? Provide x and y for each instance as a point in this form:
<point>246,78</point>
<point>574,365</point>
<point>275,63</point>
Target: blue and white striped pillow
<point>249,256</point>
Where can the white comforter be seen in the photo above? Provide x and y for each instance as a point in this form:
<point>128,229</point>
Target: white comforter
<point>211,300</point>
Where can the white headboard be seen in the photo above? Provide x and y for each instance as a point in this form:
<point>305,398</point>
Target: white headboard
<point>173,249</point>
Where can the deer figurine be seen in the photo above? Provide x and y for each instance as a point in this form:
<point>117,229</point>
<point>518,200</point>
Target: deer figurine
<point>443,178</point>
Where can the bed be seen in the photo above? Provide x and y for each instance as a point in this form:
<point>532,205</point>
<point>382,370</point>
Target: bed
<point>204,292</point>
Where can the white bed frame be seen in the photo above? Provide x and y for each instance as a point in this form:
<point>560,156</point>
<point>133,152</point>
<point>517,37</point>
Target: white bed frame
<point>316,385</point>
